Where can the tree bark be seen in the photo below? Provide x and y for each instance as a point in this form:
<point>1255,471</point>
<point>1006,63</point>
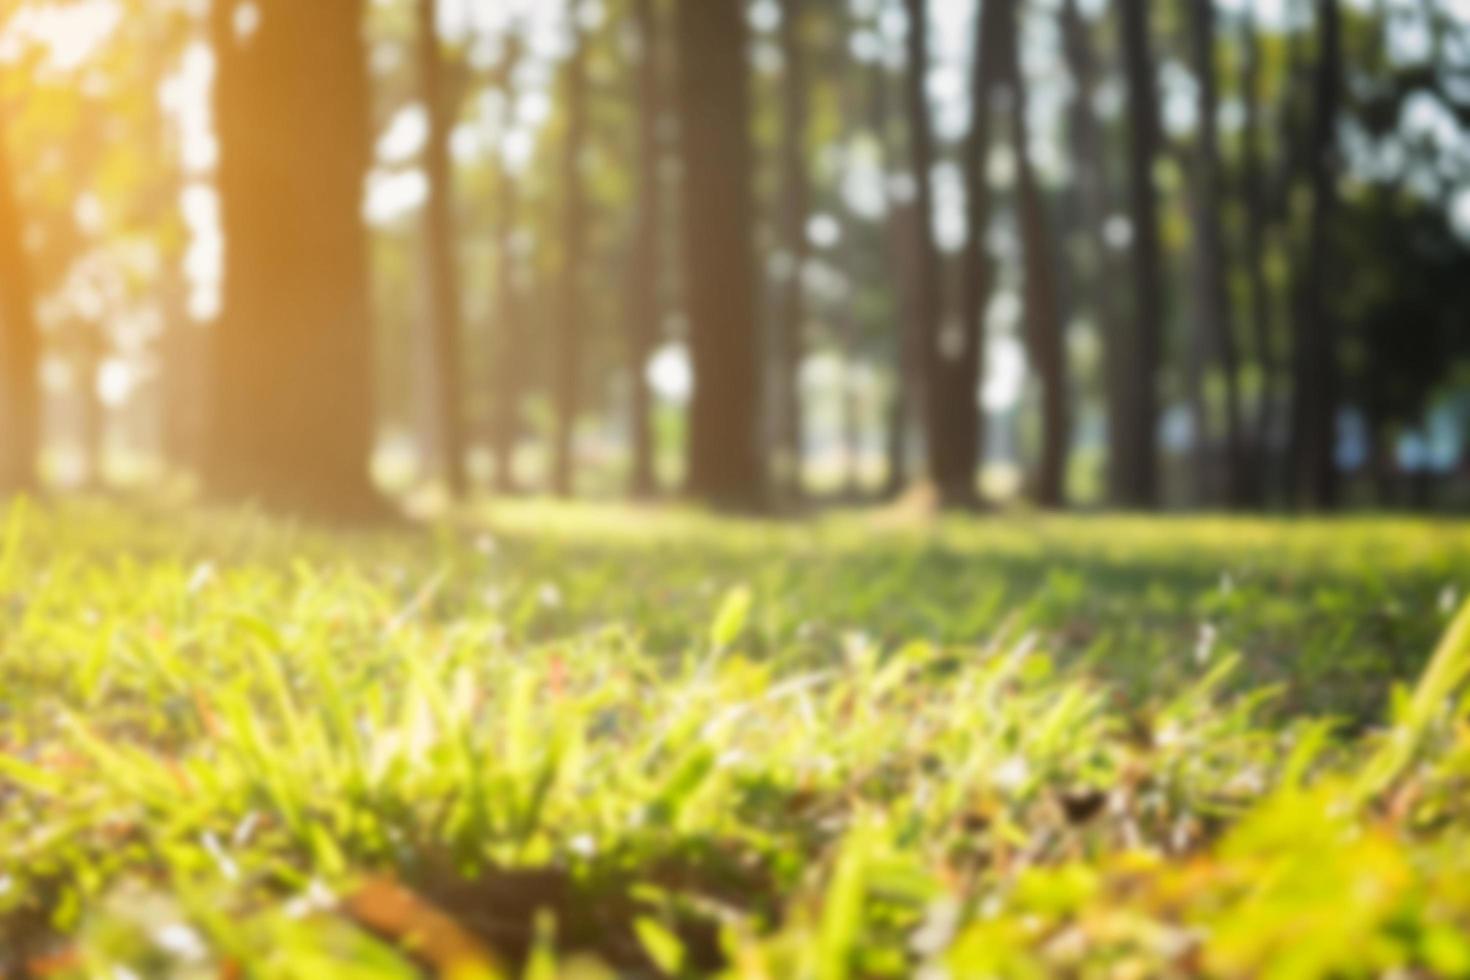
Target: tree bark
<point>445,324</point>
<point>966,442</point>
<point>1214,315</point>
<point>1043,323</point>
<point>567,351</point>
<point>645,306</point>
<point>725,466</point>
<point>1134,462</point>
<point>20,343</point>
<point>904,401</point>
<point>509,344</point>
<point>1100,271</point>
<point>1257,223</point>
<point>950,409</point>
<point>1317,369</point>
<point>292,421</point>
<point>796,209</point>
<point>907,406</point>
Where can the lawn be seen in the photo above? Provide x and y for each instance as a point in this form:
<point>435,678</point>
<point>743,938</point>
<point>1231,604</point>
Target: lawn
<point>579,741</point>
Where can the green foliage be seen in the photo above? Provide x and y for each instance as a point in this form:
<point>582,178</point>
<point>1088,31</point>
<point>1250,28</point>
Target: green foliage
<point>580,745</point>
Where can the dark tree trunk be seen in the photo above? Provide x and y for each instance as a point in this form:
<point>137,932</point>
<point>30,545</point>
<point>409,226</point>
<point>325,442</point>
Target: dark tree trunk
<point>509,345</point>
<point>1214,316</point>
<point>444,331</point>
<point>905,411</point>
<point>851,406</point>
<point>950,411</point>
<point>966,443</point>
<point>292,421</point>
<point>1134,456</point>
<point>898,254</point>
<point>20,343</point>
<point>1293,134</point>
<point>725,466</point>
<point>645,307</point>
<point>795,208</point>
<point>1100,273</point>
<point>854,94</point>
<point>567,351</point>
<point>1317,348</point>
<point>1043,324</point>
<point>1257,222</point>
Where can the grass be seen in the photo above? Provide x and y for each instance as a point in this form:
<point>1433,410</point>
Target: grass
<point>572,741</point>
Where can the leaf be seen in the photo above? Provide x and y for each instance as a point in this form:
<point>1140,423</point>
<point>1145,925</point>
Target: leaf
<point>1446,671</point>
<point>663,947</point>
<point>393,911</point>
<point>729,622</point>
<point>841,926</point>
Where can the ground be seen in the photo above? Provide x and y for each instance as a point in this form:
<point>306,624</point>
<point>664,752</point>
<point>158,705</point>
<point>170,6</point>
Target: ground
<point>552,740</point>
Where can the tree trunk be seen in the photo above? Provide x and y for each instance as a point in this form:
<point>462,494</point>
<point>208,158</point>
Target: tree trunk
<point>966,446</point>
<point>1134,457</point>
<point>20,344</point>
<point>1257,221</point>
<point>1293,122</point>
<point>1100,273</point>
<point>293,424</point>
<point>795,208</point>
<point>645,307</point>
<point>950,410</point>
<point>1317,371</point>
<point>92,418</point>
<point>1214,319</point>
<point>444,331</point>
<point>725,466</point>
<point>509,343</point>
<point>567,352</point>
<point>905,411</point>
<point>1043,324</point>
<point>851,405</point>
<point>903,404</point>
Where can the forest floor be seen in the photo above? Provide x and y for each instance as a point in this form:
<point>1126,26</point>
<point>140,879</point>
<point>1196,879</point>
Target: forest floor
<point>584,741</point>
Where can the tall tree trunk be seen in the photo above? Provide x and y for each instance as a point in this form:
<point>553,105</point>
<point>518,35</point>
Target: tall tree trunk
<point>567,352</point>
<point>1293,134</point>
<point>1257,222</point>
<point>796,209</point>
<point>950,416</point>
<point>1317,369</point>
<point>1043,323</point>
<point>907,405</point>
<point>966,446</point>
<point>852,85</point>
<point>444,311</point>
<point>1134,457</point>
<point>20,343</point>
<point>88,355</point>
<point>1214,315</point>
<point>292,421</point>
<point>1100,272</point>
<point>904,400</point>
<point>850,406</point>
<point>725,466</point>
<point>182,384</point>
<point>645,307</point>
<point>509,314</point>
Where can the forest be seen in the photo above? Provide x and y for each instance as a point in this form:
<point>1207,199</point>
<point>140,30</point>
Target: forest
<point>1128,256</point>
<point>764,489</point>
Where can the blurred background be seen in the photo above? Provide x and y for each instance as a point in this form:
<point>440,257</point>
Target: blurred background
<point>1212,254</point>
